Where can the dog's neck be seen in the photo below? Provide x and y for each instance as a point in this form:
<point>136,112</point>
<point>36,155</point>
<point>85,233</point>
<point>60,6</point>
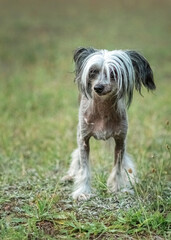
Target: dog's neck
<point>102,107</point>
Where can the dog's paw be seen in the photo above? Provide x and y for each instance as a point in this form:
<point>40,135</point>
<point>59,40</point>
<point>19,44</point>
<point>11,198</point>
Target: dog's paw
<point>82,196</point>
<point>113,187</point>
<point>127,190</point>
<point>116,187</point>
<point>67,178</point>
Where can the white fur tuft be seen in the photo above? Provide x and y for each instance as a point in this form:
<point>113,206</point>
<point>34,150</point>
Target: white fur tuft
<point>82,184</point>
<point>124,178</point>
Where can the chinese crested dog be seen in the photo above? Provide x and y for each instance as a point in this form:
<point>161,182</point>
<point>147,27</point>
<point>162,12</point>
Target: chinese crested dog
<point>106,80</point>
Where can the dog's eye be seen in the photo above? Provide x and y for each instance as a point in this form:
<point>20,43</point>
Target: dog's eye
<point>113,75</point>
<point>93,73</point>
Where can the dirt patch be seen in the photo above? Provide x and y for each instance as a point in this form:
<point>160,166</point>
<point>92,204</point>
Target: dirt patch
<point>47,226</point>
<point>7,208</point>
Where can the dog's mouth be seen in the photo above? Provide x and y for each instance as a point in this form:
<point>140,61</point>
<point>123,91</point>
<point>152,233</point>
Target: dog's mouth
<point>103,93</point>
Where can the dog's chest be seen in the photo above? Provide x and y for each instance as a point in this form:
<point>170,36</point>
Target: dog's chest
<point>101,127</point>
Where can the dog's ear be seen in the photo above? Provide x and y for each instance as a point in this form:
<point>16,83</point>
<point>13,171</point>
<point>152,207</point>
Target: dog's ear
<point>143,71</point>
<point>80,55</point>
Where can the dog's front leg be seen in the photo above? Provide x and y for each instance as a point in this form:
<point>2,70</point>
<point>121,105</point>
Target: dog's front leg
<point>82,178</point>
<point>114,182</point>
<point>123,172</point>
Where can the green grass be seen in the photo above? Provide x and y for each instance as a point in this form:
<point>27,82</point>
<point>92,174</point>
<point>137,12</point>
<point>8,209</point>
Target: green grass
<point>38,121</point>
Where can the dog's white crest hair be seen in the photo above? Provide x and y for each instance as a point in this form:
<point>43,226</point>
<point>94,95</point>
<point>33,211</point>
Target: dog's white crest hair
<point>116,61</point>
<point>129,68</point>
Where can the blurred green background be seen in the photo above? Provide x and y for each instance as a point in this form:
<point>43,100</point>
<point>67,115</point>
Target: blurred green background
<point>38,98</point>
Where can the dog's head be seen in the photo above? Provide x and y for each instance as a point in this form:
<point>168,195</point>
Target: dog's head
<point>111,73</point>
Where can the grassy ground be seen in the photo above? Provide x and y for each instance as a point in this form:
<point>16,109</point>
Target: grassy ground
<point>38,119</point>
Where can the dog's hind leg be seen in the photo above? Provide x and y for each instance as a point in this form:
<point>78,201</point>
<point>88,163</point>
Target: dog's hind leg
<point>75,162</point>
<point>74,166</point>
<point>123,173</point>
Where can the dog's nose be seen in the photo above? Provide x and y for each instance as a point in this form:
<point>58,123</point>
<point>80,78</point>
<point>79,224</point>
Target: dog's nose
<point>99,88</point>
